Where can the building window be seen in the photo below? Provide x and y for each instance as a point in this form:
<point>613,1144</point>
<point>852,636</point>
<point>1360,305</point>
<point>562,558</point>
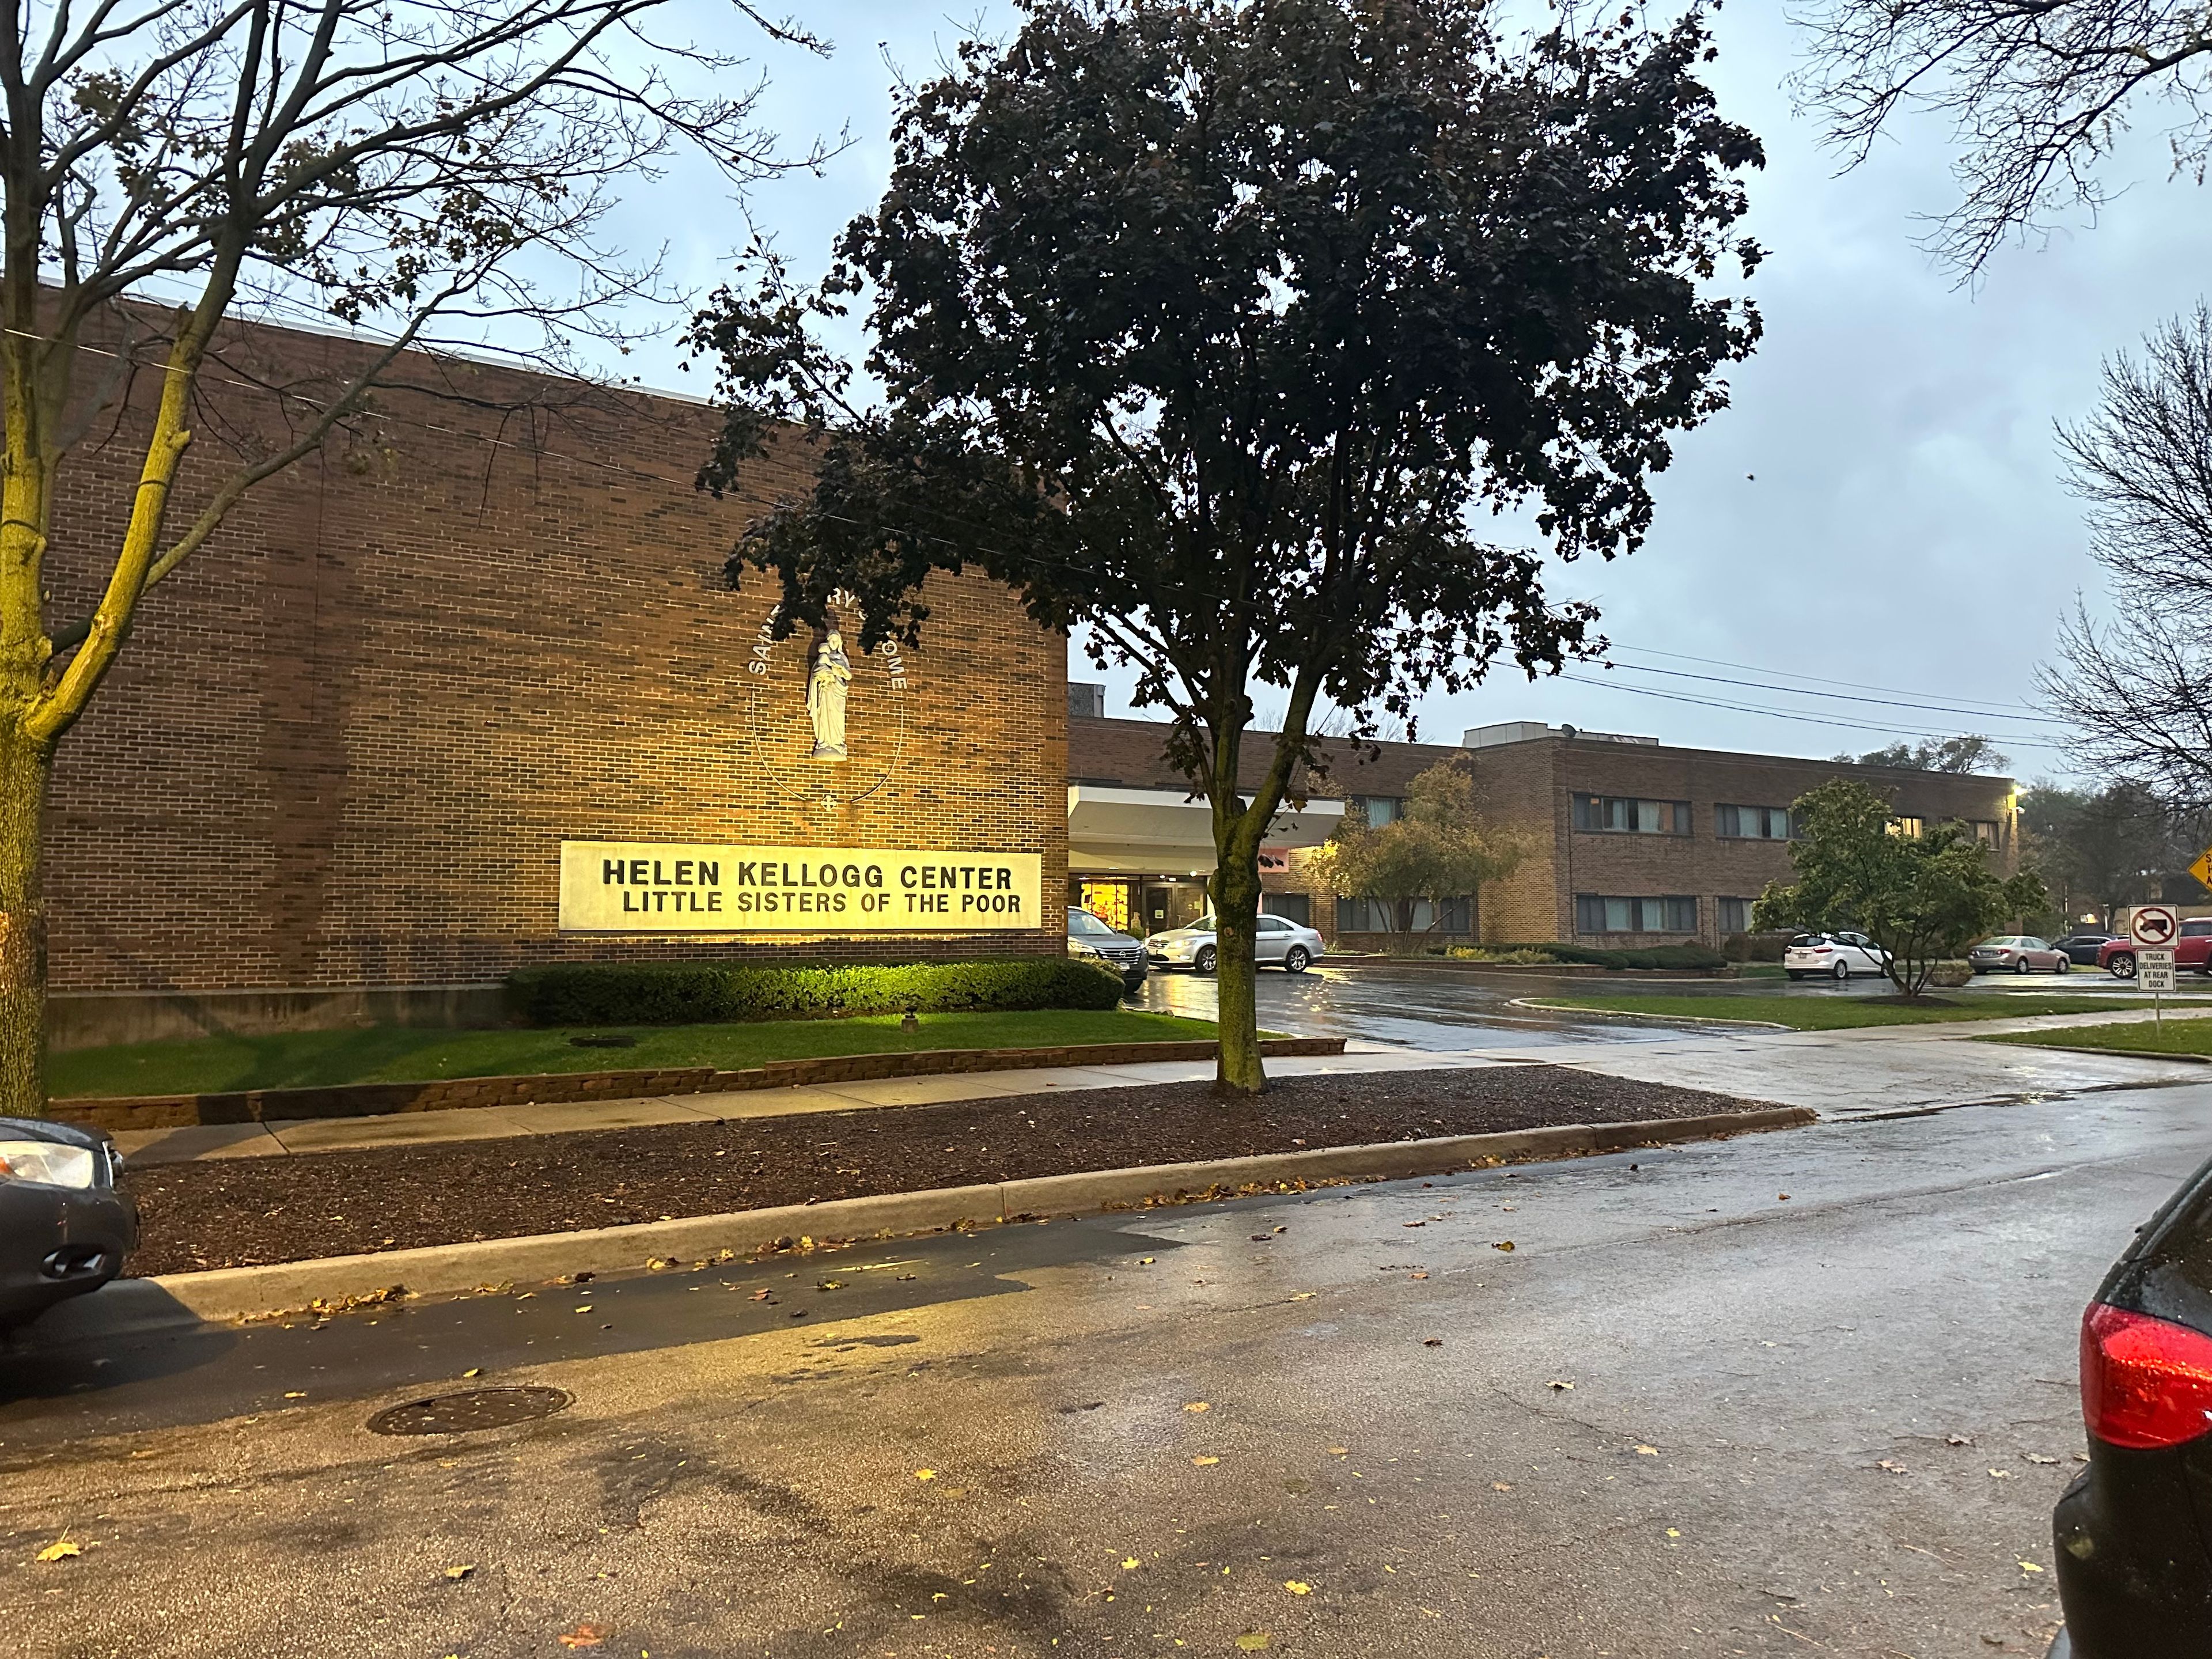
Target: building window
<point>1376,810</point>
<point>1985,830</point>
<point>1734,914</point>
<point>1752,823</point>
<point>1628,816</point>
<point>1290,907</point>
<point>1597,913</point>
<point>1909,828</point>
<point>1371,915</point>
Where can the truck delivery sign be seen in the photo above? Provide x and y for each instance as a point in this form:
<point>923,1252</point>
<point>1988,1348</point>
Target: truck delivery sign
<point>661,887</point>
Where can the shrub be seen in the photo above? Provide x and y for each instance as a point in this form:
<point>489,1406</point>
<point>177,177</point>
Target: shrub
<point>1754,947</point>
<point>1519,955</point>
<point>1700,957</point>
<point>708,992</point>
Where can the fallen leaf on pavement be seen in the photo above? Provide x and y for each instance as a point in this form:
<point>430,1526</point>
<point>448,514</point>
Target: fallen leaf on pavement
<point>2029,1566</point>
<point>2000,1474</point>
<point>62,1549</point>
<point>1297,1587</point>
<point>1890,1465</point>
<point>1130,1564</point>
<point>1647,1451</point>
<point>925,1474</point>
<point>1501,1485</point>
<point>1204,1462</point>
<point>2038,1457</point>
<point>1252,1640</point>
<point>1560,1383</point>
<point>586,1635</point>
<point>473,1371</point>
<point>462,1571</point>
<point>1432,1342</point>
<point>1302,1296</point>
<point>762,1296</point>
<point>1412,1224</point>
<point>1958,1440</point>
<point>1197,1406</point>
<point>1339,1451</point>
<point>1504,1244</point>
<point>296,1393</point>
<point>1418,1275</point>
<point>1673,1532</point>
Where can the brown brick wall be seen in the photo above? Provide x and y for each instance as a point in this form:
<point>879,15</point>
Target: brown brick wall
<point>1530,786</point>
<point>345,741</point>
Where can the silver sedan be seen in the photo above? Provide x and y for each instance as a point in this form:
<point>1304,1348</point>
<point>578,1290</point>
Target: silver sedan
<point>1279,940</point>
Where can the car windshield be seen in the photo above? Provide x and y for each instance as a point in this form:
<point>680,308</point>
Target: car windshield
<point>1084,923</point>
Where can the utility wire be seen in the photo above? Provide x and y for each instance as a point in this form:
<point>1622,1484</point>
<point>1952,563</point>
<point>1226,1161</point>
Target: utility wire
<point>2020,739</point>
<point>1838,696</point>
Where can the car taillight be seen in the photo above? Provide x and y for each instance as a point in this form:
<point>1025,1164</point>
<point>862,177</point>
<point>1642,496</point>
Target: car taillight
<point>2145,1383</point>
<point>1822,950</point>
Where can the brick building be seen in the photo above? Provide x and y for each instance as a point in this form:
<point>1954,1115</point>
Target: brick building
<point>1633,842</point>
<point>346,745</point>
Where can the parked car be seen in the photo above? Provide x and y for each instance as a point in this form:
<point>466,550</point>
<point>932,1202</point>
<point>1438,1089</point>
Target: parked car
<point>1833,956</point>
<point>64,1225</point>
<point>2134,1572</point>
<point>1279,940</point>
<point>2019,953</point>
<point>1096,940</point>
<point>2190,950</point>
<point>2082,948</point>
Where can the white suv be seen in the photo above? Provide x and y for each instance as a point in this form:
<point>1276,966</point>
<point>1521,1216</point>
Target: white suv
<point>1279,940</point>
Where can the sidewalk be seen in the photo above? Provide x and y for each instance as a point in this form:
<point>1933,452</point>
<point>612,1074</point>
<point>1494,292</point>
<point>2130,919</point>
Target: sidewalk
<point>1865,1071</point>
<point>147,1147</point>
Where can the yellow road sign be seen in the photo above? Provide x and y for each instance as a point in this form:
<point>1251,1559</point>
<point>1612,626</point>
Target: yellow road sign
<point>2202,868</point>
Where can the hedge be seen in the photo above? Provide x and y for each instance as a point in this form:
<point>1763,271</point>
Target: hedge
<point>1698,956</point>
<point>706,993</point>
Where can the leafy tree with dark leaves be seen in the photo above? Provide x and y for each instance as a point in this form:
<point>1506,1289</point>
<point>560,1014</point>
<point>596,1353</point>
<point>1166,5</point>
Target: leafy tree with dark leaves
<point>1974,753</point>
<point>1215,329</point>
<point>1921,897</point>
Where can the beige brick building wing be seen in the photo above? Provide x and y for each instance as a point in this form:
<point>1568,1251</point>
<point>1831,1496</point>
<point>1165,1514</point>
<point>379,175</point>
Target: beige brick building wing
<point>1634,843</point>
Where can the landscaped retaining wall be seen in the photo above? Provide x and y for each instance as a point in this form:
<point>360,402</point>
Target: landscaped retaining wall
<point>447,1094</point>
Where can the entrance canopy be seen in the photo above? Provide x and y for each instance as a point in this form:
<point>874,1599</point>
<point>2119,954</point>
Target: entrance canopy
<point>1164,831</point>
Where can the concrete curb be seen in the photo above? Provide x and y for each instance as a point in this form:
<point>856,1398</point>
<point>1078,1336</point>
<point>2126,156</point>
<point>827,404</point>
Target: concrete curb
<point>240,1292</point>
<point>2020,1040</point>
<point>1667,1019</point>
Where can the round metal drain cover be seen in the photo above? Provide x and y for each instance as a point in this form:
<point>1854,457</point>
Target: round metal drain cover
<point>471,1409</point>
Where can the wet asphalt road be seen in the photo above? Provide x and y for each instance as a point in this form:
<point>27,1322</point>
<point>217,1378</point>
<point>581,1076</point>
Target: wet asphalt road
<point>1444,1009</point>
<point>991,1444</point>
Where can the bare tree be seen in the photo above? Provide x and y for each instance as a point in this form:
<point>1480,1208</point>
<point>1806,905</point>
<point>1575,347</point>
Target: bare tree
<point>2138,690</point>
<point>2037,92</point>
<point>427,170</point>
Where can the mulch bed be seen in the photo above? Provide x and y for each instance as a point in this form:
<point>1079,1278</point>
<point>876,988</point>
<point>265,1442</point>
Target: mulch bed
<point>239,1213</point>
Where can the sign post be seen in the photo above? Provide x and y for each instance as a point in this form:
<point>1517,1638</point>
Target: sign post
<point>2153,928</point>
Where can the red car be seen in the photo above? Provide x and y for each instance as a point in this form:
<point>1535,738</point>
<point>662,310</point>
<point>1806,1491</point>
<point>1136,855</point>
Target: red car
<point>2192,950</point>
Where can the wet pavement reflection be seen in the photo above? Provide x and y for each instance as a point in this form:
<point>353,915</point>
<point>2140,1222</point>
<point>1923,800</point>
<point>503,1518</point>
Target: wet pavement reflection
<point>1445,1009</point>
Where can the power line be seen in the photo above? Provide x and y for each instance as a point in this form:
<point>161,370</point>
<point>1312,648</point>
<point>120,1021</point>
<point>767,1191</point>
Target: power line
<point>2017,739</point>
<point>1988,710</point>
<point>1838,696</point>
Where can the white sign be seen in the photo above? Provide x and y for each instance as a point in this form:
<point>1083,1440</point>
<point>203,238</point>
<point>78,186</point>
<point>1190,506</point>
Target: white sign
<point>2153,970</point>
<point>657,887</point>
<point>2153,924</point>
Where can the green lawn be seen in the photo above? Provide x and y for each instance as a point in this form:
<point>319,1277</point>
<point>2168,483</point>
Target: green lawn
<point>1817,1012</point>
<point>2174,1036</point>
<point>392,1055</point>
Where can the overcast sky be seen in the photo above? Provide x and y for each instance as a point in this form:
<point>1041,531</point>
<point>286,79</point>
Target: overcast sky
<point>1881,506</point>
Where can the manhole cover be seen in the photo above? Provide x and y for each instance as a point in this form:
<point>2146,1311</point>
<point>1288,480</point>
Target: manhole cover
<point>471,1408</point>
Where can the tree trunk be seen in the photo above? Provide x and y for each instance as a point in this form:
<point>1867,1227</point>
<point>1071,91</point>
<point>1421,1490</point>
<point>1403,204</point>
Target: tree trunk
<point>25,766</point>
<point>1236,967</point>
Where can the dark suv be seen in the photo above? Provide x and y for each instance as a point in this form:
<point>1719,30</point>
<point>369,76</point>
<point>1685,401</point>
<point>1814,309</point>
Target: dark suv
<point>1093,940</point>
<point>2132,1530</point>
